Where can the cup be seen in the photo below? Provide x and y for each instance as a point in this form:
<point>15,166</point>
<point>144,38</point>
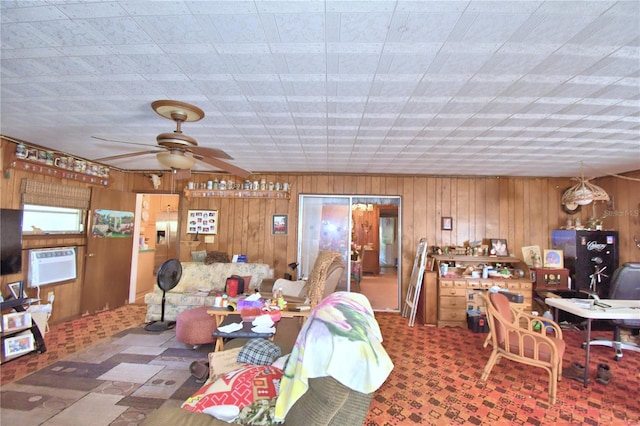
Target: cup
<point>285,186</point>
<point>49,158</point>
<point>278,186</point>
<point>95,169</point>
<point>191,185</point>
<point>61,162</point>
<point>79,165</point>
<point>32,155</point>
<point>21,151</point>
<point>42,156</point>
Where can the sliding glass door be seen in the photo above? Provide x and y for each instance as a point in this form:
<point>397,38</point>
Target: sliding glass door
<point>365,230</point>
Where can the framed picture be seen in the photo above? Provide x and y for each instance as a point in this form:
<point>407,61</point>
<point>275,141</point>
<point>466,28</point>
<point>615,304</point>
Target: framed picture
<point>553,259</point>
<point>530,253</point>
<point>17,289</point>
<point>279,223</point>
<point>16,320</point>
<point>499,247</point>
<point>112,224</point>
<point>20,344</point>
<point>202,222</point>
<point>446,223</point>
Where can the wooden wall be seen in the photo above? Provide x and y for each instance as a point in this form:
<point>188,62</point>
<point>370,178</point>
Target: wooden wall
<point>521,210</point>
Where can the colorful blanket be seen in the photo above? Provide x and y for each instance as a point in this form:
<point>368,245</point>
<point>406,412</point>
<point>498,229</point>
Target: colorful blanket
<point>342,339</point>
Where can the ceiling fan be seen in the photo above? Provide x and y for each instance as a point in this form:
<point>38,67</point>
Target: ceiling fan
<point>175,149</point>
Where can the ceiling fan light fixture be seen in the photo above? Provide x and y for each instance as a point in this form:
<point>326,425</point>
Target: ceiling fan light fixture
<point>176,160</point>
<point>175,138</point>
<point>171,109</point>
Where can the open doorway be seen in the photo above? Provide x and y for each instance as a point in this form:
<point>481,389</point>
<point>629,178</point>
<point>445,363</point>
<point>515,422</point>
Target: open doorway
<point>366,230</point>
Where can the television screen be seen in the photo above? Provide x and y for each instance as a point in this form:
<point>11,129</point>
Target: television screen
<point>11,241</point>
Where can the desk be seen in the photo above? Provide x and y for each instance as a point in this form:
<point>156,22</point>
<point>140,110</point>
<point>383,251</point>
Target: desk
<point>620,309</point>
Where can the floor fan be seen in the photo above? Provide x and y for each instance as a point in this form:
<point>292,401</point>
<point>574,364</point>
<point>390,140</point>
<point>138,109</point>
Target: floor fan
<point>168,276</point>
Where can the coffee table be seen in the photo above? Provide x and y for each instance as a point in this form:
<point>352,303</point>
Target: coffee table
<point>224,317</point>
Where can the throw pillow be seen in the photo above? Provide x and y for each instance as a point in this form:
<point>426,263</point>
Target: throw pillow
<point>198,256</point>
<point>216,257</point>
<point>259,352</point>
<point>223,362</point>
<point>240,388</point>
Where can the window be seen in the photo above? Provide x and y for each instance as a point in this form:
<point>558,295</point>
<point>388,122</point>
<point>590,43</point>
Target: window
<point>47,219</point>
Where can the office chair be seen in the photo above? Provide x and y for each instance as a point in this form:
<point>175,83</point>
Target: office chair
<point>625,285</point>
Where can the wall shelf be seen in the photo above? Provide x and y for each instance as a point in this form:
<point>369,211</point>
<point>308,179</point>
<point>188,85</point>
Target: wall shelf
<point>236,193</point>
<point>47,170</point>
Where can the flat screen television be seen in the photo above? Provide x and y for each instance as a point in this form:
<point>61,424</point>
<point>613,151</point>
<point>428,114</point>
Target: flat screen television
<point>10,241</point>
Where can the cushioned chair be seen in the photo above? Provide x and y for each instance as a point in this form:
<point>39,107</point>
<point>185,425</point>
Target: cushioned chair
<point>323,280</point>
<point>625,285</point>
<point>514,336</point>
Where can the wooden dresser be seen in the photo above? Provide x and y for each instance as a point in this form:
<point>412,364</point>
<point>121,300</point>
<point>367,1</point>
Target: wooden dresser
<point>457,290</point>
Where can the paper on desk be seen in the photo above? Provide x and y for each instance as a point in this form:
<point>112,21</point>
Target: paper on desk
<point>263,329</point>
<point>253,297</point>
<point>230,328</point>
<point>262,321</point>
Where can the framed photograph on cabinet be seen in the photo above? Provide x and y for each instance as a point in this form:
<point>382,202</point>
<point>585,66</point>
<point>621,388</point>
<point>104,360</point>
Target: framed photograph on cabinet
<point>19,344</point>
<point>17,289</point>
<point>202,222</point>
<point>531,255</point>
<point>446,223</point>
<point>553,259</point>
<point>499,247</point>
<point>16,320</point>
<point>280,224</point>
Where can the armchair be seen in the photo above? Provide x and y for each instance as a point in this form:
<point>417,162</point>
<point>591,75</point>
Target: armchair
<point>625,285</point>
<point>323,280</point>
<point>523,338</point>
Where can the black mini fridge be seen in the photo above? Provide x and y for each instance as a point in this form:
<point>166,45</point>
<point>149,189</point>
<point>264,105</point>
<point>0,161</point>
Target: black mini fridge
<point>590,256</point>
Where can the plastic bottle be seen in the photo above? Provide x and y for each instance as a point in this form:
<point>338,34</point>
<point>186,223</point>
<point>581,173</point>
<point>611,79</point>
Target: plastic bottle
<point>225,300</point>
<point>218,301</point>
<point>280,299</point>
<point>548,315</point>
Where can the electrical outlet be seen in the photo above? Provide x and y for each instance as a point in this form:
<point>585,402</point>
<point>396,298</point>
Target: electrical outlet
<point>50,296</point>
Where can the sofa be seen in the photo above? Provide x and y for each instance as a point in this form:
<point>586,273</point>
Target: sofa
<point>199,285</point>
<point>311,390</point>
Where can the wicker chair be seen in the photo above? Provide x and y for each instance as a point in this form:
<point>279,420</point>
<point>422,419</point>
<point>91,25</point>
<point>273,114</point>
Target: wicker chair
<point>522,337</point>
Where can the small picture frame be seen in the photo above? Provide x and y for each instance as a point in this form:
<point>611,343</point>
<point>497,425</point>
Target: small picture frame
<point>530,253</point>
<point>553,259</point>
<point>499,247</point>
<point>16,320</point>
<point>17,289</point>
<point>18,345</point>
<point>280,224</point>
<point>446,223</point>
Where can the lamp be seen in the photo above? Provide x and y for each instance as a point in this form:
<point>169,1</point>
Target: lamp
<point>176,159</point>
<point>584,193</point>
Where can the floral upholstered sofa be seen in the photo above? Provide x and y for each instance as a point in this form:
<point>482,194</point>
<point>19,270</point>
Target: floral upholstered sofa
<point>199,284</point>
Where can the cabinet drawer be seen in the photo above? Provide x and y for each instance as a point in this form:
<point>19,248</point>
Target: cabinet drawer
<point>453,315</point>
<point>446,283</point>
<point>513,286</point>
<point>485,285</point>
<point>526,286</point>
<point>473,284</point>
<point>444,292</point>
<point>453,302</point>
<point>460,283</point>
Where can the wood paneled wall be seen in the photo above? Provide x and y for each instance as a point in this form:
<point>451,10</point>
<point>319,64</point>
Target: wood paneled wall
<point>522,210</point>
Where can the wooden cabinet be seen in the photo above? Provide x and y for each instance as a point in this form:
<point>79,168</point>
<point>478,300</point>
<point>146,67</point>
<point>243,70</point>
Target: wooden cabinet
<point>428,300</point>
<point>458,288</point>
<point>20,334</point>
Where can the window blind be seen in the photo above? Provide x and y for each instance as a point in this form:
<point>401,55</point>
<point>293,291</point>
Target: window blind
<point>54,194</point>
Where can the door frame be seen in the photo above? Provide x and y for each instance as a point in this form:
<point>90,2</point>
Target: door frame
<point>352,199</point>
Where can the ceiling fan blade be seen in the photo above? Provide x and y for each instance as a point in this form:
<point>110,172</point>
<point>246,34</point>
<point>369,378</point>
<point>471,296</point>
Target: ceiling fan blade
<point>131,154</point>
<point>121,141</point>
<point>227,167</point>
<point>210,152</point>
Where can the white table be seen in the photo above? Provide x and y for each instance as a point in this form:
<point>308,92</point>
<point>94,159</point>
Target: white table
<point>620,309</point>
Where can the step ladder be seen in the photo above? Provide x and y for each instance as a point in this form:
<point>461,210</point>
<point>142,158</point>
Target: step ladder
<point>415,284</point>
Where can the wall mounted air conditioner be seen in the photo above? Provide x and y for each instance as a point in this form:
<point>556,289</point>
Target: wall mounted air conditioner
<point>52,265</point>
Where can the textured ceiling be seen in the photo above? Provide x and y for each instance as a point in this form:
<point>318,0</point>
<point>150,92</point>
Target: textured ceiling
<point>517,88</point>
